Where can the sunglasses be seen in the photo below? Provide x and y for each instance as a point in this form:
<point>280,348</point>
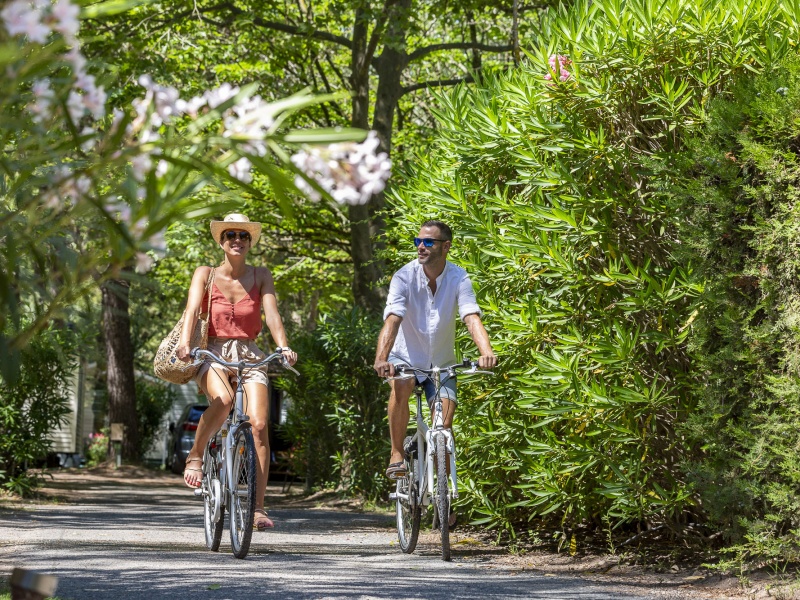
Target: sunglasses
<point>428,242</point>
<point>231,235</point>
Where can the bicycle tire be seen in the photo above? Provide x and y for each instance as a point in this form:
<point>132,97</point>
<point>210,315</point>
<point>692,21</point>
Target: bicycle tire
<point>442,496</point>
<point>242,497</point>
<point>408,511</point>
<point>212,496</point>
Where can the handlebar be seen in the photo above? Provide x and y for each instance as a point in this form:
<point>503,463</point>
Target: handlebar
<point>199,354</point>
<point>470,367</point>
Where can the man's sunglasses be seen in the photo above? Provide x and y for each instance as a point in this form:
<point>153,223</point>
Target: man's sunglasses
<point>427,241</point>
<point>231,235</point>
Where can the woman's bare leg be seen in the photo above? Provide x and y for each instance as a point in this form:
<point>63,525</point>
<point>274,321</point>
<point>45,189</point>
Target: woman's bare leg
<point>257,408</point>
<point>218,390</point>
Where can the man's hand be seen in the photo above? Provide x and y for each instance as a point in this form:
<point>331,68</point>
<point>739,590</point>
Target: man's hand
<point>487,361</point>
<point>383,368</point>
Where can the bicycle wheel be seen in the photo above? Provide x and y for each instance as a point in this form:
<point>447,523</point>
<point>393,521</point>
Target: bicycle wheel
<point>442,496</point>
<point>408,511</point>
<point>213,509</point>
<point>242,498</point>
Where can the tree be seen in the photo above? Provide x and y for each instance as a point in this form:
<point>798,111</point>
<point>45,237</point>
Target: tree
<point>380,52</point>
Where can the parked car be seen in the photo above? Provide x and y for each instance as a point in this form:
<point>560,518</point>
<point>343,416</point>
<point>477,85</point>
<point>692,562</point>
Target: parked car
<point>182,436</point>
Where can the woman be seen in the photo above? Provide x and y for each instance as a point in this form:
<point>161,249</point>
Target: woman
<point>238,293</point>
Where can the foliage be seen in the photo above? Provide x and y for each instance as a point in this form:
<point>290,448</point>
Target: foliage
<point>337,417</point>
<point>737,197</point>
<point>97,452</point>
<point>153,400</point>
<point>33,405</point>
<point>549,186</point>
<point>96,191</point>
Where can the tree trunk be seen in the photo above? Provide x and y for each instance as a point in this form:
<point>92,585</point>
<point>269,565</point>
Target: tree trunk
<point>366,272</point>
<point>120,382</point>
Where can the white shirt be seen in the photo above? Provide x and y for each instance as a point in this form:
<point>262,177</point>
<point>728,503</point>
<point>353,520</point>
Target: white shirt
<point>427,335</point>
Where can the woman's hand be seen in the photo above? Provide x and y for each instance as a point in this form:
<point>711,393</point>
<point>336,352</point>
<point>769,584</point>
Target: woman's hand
<point>182,352</point>
<point>290,356</point>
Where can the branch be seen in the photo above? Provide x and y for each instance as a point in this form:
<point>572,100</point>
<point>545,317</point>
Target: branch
<point>377,31</point>
<point>316,34</point>
<point>420,52</point>
<point>437,83</point>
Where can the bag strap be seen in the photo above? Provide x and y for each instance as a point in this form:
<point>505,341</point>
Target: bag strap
<point>209,283</point>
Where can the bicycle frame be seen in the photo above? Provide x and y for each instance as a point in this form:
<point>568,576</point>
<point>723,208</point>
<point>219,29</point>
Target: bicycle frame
<point>236,417</point>
<point>424,437</point>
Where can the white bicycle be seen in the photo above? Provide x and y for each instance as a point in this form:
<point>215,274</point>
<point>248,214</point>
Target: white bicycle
<point>427,453</point>
<point>229,465</point>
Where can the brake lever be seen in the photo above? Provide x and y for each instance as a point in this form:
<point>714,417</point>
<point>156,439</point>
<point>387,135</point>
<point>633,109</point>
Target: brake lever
<point>286,365</point>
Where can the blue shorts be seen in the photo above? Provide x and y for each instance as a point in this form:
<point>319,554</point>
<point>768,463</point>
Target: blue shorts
<point>447,384</point>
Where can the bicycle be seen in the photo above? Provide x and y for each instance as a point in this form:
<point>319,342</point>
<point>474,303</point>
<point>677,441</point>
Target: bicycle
<point>229,465</point>
<point>426,481</point>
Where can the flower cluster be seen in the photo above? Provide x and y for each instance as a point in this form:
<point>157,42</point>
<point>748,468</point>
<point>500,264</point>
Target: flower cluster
<point>37,20</point>
<point>558,64</point>
<point>247,119</point>
<point>351,173</point>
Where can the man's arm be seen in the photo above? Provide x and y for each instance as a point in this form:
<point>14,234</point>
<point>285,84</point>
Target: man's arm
<point>385,342</point>
<point>476,329</point>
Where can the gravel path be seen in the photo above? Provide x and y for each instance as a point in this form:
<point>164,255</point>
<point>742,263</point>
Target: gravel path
<point>114,536</point>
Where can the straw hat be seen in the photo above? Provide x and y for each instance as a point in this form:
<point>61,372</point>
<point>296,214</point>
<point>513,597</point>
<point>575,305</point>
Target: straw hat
<point>239,223</point>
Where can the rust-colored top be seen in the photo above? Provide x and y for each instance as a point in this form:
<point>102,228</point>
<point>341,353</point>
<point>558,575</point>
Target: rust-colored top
<point>241,320</point>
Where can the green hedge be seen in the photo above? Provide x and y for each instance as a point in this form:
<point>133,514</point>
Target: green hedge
<point>740,220</point>
<point>555,194</point>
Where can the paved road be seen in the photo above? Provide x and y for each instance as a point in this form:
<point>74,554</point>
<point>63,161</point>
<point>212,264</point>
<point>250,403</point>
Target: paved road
<point>135,540</point>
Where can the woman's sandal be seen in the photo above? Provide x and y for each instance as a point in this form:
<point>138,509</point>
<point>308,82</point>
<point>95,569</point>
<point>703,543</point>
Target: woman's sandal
<point>261,521</point>
<point>189,469</point>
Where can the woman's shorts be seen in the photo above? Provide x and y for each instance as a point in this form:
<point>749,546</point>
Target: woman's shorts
<point>234,350</point>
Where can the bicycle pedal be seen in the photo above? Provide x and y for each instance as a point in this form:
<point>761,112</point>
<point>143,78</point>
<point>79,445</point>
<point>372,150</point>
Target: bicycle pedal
<point>393,496</point>
<point>198,492</point>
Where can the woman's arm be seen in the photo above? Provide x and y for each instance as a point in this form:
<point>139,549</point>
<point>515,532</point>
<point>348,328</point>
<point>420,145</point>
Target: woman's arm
<point>197,290</point>
<point>271,315</point>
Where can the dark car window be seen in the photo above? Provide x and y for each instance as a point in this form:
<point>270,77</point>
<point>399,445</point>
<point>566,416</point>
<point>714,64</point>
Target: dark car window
<point>195,413</point>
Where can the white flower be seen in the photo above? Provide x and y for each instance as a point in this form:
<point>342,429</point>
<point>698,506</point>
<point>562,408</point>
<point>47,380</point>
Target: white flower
<point>21,18</point>
<point>241,170</point>
<point>140,166</point>
<point>66,18</point>
<point>144,262</point>
<point>350,173</point>
<point>161,168</point>
<point>75,106</point>
<point>41,107</point>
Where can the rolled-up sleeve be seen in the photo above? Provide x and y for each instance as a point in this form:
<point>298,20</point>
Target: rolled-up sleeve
<point>467,303</point>
<point>397,300</point>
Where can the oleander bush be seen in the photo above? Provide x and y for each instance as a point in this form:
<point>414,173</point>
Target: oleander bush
<point>553,176</point>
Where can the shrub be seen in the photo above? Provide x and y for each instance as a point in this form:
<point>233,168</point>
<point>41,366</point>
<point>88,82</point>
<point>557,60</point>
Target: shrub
<point>97,452</point>
<point>337,420</point>
<point>738,201</point>
<point>153,400</point>
<point>549,185</point>
<point>33,405</point>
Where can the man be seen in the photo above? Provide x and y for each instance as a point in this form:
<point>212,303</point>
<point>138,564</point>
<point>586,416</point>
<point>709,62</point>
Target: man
<point>420,326</point>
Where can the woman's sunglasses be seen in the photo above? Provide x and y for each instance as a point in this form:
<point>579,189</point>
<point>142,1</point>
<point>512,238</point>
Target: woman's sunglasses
<point>231,235</point>
<point>428,242</point>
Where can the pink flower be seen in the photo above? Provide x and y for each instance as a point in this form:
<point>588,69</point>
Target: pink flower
<point>558,64</point>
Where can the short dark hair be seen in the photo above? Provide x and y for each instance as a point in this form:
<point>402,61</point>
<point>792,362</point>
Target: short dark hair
<point>446,232</point>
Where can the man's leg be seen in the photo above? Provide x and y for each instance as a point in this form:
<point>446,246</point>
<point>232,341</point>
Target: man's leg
<point>398,415</point>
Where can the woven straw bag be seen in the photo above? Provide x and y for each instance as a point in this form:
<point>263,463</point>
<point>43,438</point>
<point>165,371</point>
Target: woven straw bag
<point>166,364</point>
